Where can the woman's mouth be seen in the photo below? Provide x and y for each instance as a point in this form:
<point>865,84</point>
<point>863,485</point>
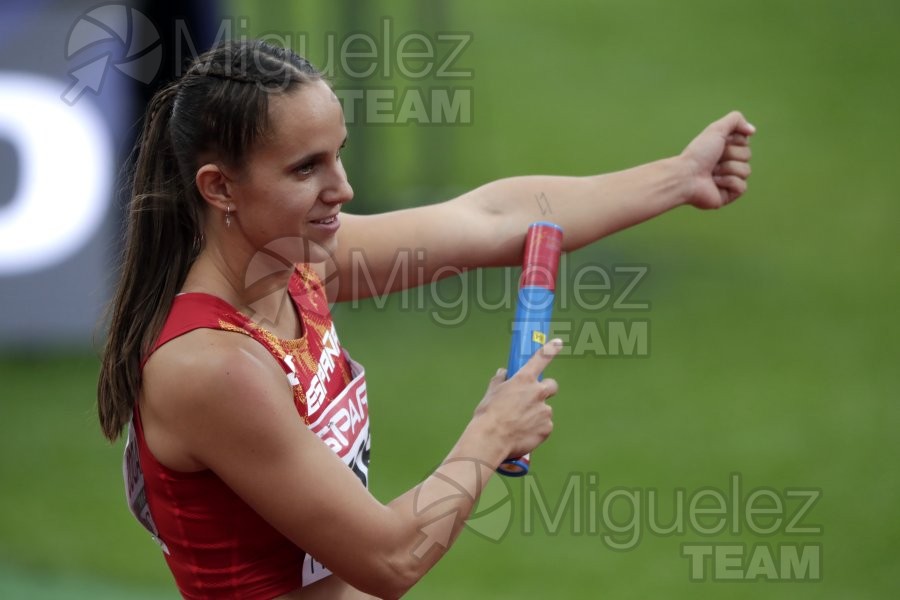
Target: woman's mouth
<point>329,224</point>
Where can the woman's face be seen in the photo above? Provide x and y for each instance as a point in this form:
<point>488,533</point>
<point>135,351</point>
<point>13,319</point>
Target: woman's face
<point>293,185</point>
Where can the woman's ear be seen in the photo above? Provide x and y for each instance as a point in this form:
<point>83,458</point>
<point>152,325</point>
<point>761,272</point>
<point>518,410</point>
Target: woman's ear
<point>215,186</point>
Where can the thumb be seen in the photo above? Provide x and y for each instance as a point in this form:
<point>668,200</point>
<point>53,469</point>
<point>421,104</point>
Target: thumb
<point>539,361</point>
<point>733,122</point>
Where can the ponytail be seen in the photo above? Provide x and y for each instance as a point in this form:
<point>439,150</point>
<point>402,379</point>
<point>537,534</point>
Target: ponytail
<point>219,108</point>
<point>163,234</point>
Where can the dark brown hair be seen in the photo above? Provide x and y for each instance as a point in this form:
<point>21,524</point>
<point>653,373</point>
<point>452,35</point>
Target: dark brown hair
<point>217,110</point>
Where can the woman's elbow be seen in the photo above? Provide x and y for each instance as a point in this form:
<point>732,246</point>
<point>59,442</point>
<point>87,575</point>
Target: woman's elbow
<point>393,574</point>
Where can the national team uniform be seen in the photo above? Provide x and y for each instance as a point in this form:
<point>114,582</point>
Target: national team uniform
<point>215,544</point>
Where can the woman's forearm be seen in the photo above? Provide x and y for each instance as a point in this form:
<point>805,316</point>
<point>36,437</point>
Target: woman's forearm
<point>512,419</point>
<point>437,508</point>
<point>587,208</point>
<point>710,172</point>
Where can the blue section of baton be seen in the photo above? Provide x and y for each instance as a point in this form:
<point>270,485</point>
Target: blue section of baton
<point>531,326</point>
<point>515,467</point>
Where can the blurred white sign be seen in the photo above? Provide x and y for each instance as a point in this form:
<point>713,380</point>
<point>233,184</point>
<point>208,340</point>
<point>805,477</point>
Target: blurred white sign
<point>66,167</point>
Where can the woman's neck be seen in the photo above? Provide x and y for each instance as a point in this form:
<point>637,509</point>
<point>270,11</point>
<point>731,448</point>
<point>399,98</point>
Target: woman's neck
<point>256,285</point>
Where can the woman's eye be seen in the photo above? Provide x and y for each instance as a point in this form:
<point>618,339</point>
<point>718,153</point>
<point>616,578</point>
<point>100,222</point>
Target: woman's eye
<point>305,169</point>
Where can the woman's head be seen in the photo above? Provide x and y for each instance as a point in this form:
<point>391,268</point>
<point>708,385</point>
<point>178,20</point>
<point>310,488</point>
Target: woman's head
<point>219,107</point>
<point>217,113</point>
<point>207,148</point>
<point>288,187</point>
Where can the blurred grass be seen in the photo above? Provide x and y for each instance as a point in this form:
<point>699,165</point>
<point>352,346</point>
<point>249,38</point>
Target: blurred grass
<point>773,327</point>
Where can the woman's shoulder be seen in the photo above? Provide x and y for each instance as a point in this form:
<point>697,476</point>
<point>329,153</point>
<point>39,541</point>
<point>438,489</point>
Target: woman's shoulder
<point>205,366</point>
<point>208,353</point>
<point>207,380</point>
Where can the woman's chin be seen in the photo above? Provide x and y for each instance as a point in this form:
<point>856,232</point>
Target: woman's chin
<point>320,252</point>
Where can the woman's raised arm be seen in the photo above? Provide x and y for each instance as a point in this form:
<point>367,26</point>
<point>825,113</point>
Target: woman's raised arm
<point>486,226</point>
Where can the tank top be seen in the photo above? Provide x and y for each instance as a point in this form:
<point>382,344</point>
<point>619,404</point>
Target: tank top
<point>214,543</point>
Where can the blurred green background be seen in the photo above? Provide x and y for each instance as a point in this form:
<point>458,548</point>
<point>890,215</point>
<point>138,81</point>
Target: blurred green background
<point>772,325</point>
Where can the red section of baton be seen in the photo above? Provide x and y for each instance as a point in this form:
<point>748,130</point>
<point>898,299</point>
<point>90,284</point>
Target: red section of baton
<point>543,245</point>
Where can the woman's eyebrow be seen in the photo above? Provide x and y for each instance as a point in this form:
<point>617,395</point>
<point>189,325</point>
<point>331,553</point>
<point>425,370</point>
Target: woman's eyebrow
<point>316,155</point>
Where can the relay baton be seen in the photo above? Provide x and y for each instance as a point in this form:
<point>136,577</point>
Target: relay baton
<point>534,309</point>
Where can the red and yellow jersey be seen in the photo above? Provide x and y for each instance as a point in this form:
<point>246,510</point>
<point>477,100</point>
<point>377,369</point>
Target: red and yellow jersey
<point>215,544</point>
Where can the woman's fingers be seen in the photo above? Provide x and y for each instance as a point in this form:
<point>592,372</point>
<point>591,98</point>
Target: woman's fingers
<point>737,139</point>
<point>549,388</point>
<point>539,361</point>
<point>733,152</point>
<point>730,186</point>
<point>733,167</point>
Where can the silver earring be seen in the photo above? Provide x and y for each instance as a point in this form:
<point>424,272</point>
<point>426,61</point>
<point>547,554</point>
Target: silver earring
<point>228,217</point>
